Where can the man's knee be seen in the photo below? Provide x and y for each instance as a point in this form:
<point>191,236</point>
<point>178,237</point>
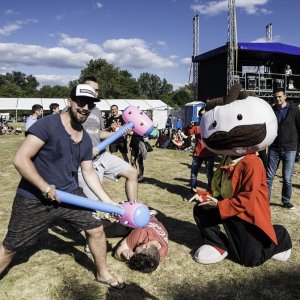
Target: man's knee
<point>130,173</point>
<point>97,232</point>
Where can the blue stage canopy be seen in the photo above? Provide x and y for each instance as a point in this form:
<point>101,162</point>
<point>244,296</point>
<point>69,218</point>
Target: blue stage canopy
<point>269,47</point>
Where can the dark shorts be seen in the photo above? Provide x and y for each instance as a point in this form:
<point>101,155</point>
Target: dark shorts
<point>121,146</point>
<point>31,217</point>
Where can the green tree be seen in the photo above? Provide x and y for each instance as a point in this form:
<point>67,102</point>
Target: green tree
<point>182,96</point>
<point>28,83</point>
<point>114,83</point>
<point>152,87</point>
<point>11,90</point>
<point>56,91</point>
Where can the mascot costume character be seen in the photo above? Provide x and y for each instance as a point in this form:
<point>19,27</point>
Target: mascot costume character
<point>236,127</point>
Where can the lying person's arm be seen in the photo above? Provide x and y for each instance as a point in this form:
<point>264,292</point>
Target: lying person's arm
<point>123,252</point>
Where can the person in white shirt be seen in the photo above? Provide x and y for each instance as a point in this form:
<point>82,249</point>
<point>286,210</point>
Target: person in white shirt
<point>37,112</point>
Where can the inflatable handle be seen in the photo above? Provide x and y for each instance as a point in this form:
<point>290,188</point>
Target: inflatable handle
<point>76,200</point>
<point>131,214</point>
<point>101,146</point>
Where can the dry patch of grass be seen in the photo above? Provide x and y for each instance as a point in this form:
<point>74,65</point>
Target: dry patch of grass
<point>57,268</point>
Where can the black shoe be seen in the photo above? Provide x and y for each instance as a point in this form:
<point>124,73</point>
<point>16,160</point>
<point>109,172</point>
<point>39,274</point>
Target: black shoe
<point>289,205</point>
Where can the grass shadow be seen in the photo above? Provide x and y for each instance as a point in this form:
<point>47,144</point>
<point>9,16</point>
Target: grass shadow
<point>132,292</point>
<point>275,204</point>
<point>171,188</point>
<point>73,288</point>
<point>178,229</point>
<point>287,287</point>
<point>51,242</point>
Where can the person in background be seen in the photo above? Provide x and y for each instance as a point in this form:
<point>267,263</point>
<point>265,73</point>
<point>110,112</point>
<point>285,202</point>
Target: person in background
<point>163,140</point>
<point>288,72</point>
<point>285,145</point>
<point>54,108</point>
<point>185,138</point>
<point>48,160</point>
<point>178,125</point>
<point>176,142</point>
<point>169,124</point>
<point>138,154</point>
<point>114,123</point>
<point>297,159</point>
<point>37,112</point>
<point>201,154</point>
<point>105,163</point>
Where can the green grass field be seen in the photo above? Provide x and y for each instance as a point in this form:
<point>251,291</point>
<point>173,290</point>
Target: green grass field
<point>57,267</point>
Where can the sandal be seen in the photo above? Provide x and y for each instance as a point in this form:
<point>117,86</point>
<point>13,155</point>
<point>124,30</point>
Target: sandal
<point>110,283</point>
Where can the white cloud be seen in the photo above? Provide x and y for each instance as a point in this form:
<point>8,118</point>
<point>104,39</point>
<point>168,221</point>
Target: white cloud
<point>98,5</point>
<point>275,38</point>
<point>8,29</point>
<point>162,44</point>
<point>10,12</point>
<point>68,41</point>
<point>186,61</point>
<point>134,53</point>
<point>177,85</point>
<point>54,79</point>
<point>32,55</point>
<point>75,52</point>
<point>59,17</point>
<point>213,8</point>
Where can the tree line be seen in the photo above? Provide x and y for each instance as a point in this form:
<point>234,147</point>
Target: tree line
<point>114,84</point>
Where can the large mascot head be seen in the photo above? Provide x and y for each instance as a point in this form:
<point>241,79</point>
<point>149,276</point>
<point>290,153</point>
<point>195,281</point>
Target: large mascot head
<point>240,127</point>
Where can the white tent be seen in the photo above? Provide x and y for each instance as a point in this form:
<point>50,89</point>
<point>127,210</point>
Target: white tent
<point>157,109</point>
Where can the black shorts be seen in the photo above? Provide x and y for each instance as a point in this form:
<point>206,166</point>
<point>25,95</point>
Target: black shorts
<point>31,217</point>
<point>121,146</point>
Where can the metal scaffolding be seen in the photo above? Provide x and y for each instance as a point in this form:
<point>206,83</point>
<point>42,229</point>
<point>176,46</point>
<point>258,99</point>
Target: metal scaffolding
<point>195,53</point>
<point>231,44</point>
<point>269,36</point>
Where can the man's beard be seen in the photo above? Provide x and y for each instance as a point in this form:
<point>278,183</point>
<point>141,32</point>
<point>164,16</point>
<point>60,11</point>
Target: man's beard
<point>77,117</point>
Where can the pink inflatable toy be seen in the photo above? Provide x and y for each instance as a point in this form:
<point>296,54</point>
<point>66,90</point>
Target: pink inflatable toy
<point>135,214</point>
<point>136,120</point>
<point>143,125</point>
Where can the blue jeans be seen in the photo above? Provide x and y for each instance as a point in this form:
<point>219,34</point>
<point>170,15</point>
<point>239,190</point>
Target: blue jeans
<point>288,160</point>
<point>196,165</point>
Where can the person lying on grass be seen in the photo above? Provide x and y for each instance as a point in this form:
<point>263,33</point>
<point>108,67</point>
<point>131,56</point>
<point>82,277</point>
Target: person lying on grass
<point>144,248</point>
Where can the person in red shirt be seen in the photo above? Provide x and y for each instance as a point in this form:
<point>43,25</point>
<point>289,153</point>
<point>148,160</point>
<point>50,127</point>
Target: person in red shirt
<point>144,248</point>
<point>201,154</point>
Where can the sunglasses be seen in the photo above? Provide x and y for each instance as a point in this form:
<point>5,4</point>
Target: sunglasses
<point>82,103</point>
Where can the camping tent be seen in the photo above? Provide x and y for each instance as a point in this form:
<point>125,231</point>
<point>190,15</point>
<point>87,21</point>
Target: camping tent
<point>157,109</point>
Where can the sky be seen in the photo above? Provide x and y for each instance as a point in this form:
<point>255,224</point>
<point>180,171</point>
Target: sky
<point>54,40</point>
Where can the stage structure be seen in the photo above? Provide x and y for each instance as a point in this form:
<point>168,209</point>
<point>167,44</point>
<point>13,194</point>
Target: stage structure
<point>259,68</point>
<point>195,53</point>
